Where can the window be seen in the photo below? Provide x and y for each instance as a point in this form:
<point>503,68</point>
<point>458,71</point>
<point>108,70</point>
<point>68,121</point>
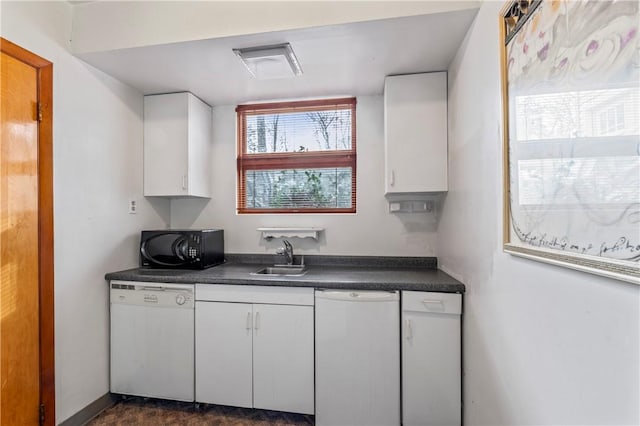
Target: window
<point>612,119</point>
<point>297,157</point>
<point>576,150</point>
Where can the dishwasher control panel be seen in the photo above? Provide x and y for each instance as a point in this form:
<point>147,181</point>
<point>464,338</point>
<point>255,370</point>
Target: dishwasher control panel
<point>153,294</point>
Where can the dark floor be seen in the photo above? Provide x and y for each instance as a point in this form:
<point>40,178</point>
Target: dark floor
<point>146,411</point>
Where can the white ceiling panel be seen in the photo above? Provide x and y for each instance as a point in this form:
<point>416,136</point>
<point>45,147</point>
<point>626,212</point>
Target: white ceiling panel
<point>338,60</point>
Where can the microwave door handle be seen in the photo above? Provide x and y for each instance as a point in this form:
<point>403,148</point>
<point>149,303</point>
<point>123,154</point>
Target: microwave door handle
<point>143,250</point>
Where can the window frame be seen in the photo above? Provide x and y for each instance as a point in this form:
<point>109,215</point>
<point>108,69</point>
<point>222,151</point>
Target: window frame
<point>293,160</point>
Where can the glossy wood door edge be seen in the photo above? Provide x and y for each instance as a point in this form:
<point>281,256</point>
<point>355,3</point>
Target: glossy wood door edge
<point>45,222</point>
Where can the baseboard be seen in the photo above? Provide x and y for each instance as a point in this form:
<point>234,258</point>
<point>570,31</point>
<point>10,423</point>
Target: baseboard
<point>90,411</point>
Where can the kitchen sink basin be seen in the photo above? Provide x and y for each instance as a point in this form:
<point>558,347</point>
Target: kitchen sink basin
<point>282,270</point>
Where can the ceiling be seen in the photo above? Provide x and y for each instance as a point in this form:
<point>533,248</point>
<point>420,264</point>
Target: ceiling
<point>337,60</point>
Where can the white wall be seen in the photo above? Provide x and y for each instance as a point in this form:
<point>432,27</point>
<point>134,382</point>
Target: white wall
<point>543,345</point>
<point>108,25</point>
<point>97,139</point>
<point>372,231</point>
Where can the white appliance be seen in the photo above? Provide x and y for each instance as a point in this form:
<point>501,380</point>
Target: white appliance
<point>152,340</point>
<point>357,358</point>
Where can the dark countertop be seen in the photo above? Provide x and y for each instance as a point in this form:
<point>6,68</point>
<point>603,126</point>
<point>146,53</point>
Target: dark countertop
<point>344,272</point>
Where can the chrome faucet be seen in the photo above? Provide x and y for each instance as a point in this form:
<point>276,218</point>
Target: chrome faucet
<point>286,251</point>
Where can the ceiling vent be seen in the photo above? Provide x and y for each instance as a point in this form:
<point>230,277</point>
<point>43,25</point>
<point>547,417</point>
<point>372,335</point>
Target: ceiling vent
<point>270,62</point>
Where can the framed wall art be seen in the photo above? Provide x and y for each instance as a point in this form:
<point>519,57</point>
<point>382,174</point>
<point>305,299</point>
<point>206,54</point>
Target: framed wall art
<point>571,102</point>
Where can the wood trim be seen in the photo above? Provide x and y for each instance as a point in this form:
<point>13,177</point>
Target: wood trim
<point>313,105</point>
<point>354,165</point>
<point>47,317</point>
<point>297,160</point>
<point>297,210</point>
<point>506,207</point>
<point>23,55</point>
<point>45,219</point>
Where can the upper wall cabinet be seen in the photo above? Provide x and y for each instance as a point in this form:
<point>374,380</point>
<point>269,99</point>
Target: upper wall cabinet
<point>177,146</point>
<point>415,118</point>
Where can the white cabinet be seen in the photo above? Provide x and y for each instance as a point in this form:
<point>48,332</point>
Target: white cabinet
<point>283,358</point>
<point>431,369</point>
<point>177,141</point>
<point>415,118</point>
<point>224,353</point>
<point>254,347</point>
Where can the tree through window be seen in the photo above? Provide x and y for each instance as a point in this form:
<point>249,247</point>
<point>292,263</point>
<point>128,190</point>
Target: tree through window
<point>297,157</point>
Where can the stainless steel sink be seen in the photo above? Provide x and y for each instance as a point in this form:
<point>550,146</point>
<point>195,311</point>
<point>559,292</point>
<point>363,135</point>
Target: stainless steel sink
<point>282,270</point>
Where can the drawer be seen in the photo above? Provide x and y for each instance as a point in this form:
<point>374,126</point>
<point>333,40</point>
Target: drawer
<point>439,303</point>
<point>254,294</point>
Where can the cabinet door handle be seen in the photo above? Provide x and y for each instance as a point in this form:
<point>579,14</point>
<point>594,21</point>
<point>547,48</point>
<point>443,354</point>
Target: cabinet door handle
<point>433,305</point>
<point>409,330</point>
<point>257,321</point>
<point>392,178</point>
<point>184,182</point>
<point>249,321</point>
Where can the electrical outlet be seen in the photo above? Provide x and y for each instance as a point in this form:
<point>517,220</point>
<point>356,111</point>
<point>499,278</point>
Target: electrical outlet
<point>133,207</point>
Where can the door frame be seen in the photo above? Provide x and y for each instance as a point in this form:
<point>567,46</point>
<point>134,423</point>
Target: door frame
<point>44,70</point>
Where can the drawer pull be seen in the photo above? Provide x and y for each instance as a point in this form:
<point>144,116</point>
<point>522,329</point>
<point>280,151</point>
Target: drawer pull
<point>409,330</point>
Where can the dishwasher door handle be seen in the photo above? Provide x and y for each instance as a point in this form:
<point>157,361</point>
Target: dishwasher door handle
<point>152,288</point>
<point>358,296</point>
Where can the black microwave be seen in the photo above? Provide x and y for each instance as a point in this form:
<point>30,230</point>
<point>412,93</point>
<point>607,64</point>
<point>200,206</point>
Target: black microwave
<point>182,248</point>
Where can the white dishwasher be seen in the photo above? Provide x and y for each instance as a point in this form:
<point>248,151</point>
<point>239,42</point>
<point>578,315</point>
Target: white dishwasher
<point>357,358</point>
<point>152,340</point>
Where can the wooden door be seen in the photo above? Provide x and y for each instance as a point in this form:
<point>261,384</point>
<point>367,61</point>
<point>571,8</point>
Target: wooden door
<point>26,239</point>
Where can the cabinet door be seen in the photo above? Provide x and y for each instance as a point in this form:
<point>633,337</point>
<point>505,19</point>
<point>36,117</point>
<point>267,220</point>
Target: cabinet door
<point>431,367</point>
<point>223,353</point>
<point>177,143</point>
<point>416,133</point>
<point>165,144</point>
<point>283,358</point>
<point>199,167</point>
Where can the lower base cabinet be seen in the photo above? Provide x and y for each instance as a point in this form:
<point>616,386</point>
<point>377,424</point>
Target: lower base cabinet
<point>431,370</point>
<point>255,355</point>
<point>254,348</point>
